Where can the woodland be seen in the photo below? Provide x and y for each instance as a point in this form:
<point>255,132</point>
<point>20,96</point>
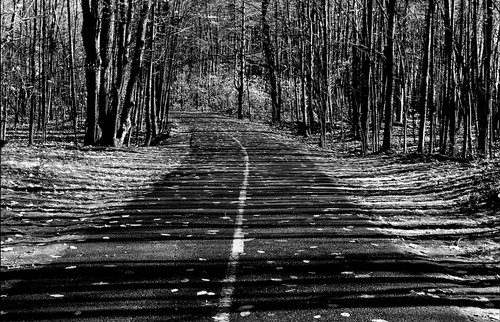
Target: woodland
<point>401,93</point>
<point>412,76</point>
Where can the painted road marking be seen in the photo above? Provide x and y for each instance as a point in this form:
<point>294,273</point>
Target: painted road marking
<point>238,246</point>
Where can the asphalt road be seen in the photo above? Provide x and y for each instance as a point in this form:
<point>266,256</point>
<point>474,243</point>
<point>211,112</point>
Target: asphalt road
<point>246,229</point>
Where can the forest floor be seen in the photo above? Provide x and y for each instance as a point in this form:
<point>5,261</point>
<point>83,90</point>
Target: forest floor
<point>50,191</point>
<point>441,209</point>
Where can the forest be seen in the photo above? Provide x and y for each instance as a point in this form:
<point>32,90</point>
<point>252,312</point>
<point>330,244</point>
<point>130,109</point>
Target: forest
<point>270,160</point>
<point>412,76</point>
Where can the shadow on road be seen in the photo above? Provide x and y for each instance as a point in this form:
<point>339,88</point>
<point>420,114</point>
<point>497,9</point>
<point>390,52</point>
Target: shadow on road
<point>164,256</point>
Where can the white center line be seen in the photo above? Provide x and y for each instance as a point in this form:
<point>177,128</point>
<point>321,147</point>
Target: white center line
<point>238,246</point>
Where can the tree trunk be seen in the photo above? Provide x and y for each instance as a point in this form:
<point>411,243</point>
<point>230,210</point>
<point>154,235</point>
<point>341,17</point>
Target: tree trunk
<point>485,100</point>
<point>125,122</point>
<point>90,11</point>
<point>325,74</point>
<point>150,100</point>
<point>72,89</point>
<point>240,81</point>
<point>107,121</point>
<point>449,106</point>
<point>33,100</point>
<point>424,103</point>
<point>3,107</point>
<point>366,73</point>
<point>304,129</point>
<point>389,74</point>
<point>270,64</point>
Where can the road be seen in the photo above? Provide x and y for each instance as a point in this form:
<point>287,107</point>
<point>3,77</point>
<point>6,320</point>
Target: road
<point>248,228</point>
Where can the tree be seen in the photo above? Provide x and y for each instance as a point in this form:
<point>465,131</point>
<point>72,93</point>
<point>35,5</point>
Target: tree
<point>485,99</point>
<point>240,61</point>
<point>366,72</point>
<point>90,9</point>
<point>429,66</point>
<point>389,74</point>
<point>270,64</point>
<point>135,69</point>
<point>424,77</point>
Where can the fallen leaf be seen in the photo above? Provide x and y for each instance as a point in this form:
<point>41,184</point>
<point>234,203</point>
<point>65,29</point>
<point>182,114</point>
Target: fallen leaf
<point>101,283</point>
<point>482,299</point>
<point>221,317</point>
<point>363,275</point>
<point>347,273</point>
<point>367,296</point>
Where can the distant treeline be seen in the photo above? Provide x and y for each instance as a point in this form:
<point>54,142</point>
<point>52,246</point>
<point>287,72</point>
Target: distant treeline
<point>355,66</point>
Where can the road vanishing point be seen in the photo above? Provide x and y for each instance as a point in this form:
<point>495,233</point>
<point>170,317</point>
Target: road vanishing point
<point>247,228</point>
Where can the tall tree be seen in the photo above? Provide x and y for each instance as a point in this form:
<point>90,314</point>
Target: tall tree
<point>269,54</point>
<point>90,9</point>
<point>485,99</point>
<point>240,60</point>
<point>389,74</point>
<point>3,108</point>
<point>450,112</point>
<point>33,67</point>
<point>107,119</point>
<point>424,77</point>
<point>366,72</point>
<point>71,46</point>
<point>135,69</point>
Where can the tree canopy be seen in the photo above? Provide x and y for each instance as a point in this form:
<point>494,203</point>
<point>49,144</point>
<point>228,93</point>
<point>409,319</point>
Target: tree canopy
<point>371,69</point>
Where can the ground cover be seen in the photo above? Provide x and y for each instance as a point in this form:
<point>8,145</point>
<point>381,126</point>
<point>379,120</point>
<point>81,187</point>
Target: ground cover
<point>50,192</point>
<point>439,209</point>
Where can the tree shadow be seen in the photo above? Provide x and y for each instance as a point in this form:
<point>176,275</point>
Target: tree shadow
<point>191,212</point>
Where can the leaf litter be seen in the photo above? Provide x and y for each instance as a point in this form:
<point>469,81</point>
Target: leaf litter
<point>50,190</point>
<point>440,210</point>
<point>449,207</point>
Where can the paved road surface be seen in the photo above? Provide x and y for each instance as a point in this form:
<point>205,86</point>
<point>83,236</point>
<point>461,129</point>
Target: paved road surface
<point>246,229</point>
